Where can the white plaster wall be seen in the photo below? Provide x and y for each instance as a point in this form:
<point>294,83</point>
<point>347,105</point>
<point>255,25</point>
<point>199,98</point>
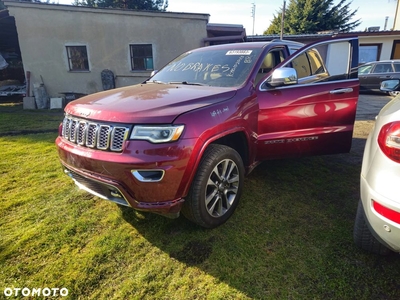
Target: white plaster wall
<point>45,30</point>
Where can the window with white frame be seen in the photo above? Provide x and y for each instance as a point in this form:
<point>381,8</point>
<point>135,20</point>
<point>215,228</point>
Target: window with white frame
<point>77,58</point>
<point>141,57</point>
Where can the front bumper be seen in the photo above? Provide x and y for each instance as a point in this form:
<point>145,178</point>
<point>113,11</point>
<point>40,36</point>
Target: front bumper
<point>122,177</point>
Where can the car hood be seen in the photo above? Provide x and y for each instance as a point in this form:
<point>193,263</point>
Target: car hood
<point>147,103</point>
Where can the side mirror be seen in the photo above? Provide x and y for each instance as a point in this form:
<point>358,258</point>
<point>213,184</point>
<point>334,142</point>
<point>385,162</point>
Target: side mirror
<point>390,85</point>
<point>154,72</point>
<point>283,76</point>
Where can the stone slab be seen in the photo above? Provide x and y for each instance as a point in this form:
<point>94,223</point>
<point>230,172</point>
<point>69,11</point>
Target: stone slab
<point>29,103</point>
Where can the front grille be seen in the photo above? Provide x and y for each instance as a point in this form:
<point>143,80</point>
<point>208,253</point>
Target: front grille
<point>107,137</point>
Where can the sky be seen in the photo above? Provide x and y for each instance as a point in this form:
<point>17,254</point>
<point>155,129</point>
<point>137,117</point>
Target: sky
<point>371,12</point>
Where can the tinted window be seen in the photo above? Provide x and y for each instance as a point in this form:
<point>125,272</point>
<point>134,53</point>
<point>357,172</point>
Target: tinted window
<point>396,67</point>
<point>383,68</point>
<point>365,69</point>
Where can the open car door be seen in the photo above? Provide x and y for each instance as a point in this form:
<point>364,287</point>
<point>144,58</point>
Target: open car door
<point>307,105</point>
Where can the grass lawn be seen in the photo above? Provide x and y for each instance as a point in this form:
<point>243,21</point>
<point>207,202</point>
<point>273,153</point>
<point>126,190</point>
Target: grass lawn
<point>290,238</point>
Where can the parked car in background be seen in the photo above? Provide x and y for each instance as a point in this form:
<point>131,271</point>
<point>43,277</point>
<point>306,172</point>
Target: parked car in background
<point>377,224</point>
<point>373,73</point>
<point>183,140</point>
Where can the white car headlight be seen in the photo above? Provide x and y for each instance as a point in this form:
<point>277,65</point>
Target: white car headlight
<point>157,134</point>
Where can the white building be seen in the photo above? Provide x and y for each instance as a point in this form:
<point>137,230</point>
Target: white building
<point>68,47</point>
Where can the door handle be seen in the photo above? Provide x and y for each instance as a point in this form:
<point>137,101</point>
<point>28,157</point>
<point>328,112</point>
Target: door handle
<point>341,91</point>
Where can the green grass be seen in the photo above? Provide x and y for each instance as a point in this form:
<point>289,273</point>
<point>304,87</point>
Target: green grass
<point>14,120</point>
<point>290,238</point>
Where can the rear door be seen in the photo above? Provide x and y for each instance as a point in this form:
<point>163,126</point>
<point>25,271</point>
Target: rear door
<point>364,74</point>
<point>315,115</point>
<point>381,72</point>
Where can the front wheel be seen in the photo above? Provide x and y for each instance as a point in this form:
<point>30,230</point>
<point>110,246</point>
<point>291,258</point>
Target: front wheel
<point>216,188</point>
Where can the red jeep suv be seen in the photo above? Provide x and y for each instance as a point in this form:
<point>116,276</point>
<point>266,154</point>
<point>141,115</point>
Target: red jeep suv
<point>184,139</point>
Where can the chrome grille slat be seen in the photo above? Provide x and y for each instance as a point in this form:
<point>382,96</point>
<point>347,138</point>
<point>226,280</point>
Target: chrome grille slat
<point>106,137</point>
<point>118,135</point>
<point>91,135</point>
<point>103,140</point>
<point>81,133</point>
<point>72,131</point>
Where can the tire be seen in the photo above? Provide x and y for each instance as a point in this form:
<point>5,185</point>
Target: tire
<point>394,93</point>
<point>216,187</point>
<point>363,237</point>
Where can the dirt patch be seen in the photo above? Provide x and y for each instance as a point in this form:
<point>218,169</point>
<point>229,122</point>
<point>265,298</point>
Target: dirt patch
<point>363,128</point>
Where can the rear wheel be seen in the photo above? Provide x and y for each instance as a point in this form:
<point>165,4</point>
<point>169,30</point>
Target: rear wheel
<point>216,188</point>
<point>363,237</point>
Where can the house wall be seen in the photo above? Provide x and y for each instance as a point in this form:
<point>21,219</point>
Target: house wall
<point>45,30</point>
<point>385,44</point>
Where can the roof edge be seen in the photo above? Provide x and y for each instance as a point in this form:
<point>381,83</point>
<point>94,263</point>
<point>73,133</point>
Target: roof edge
<point>73,8</point>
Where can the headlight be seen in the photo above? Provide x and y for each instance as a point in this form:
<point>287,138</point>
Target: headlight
<point>157,134</point>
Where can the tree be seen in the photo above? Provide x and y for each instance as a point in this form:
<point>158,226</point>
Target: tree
<point>312,16</point>
<point>160,5</point>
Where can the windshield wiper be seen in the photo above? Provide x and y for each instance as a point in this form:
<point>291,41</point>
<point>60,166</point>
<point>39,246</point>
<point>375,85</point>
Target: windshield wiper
<point>156,81</point>
<point>185,82</point>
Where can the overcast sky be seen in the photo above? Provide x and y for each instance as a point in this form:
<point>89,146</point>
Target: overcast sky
<point>371,12</point>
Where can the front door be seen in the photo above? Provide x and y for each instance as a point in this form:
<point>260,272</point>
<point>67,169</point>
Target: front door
<point>315,115</point>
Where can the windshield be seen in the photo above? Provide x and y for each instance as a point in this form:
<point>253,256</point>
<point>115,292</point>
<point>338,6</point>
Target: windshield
<point>223,68</point>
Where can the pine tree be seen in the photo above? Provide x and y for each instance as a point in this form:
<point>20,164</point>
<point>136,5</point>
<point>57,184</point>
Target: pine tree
<point>312,16</point>
<point>160,5</point>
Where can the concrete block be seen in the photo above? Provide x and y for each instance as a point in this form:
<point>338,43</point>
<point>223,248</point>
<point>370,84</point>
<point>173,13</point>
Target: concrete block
<point>56,103</point>
<point>29,103</point>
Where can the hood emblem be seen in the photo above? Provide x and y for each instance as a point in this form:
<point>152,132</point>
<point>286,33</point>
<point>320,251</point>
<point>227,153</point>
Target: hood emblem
<point>84,113</point>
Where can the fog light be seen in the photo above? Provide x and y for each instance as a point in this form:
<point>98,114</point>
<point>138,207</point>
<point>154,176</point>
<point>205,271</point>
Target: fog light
<point>148,175</point>
<point>116,194</point>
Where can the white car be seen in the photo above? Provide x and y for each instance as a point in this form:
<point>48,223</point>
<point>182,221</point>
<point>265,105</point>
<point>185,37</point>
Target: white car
<point>377,224</point>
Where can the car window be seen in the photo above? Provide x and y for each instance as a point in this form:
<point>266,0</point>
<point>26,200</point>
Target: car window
<point>317,67</point>
<point>224,68</point>
<point>365,69</point>
<point>302,66</point>
<point>270,61</point>
<point>383,68</point>
<point>325,61</point>
<point>308,64</point>
<point>396,67</point>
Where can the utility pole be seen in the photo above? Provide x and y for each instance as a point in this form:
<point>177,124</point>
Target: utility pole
<point>283,18</point>
<point>253,14</point>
